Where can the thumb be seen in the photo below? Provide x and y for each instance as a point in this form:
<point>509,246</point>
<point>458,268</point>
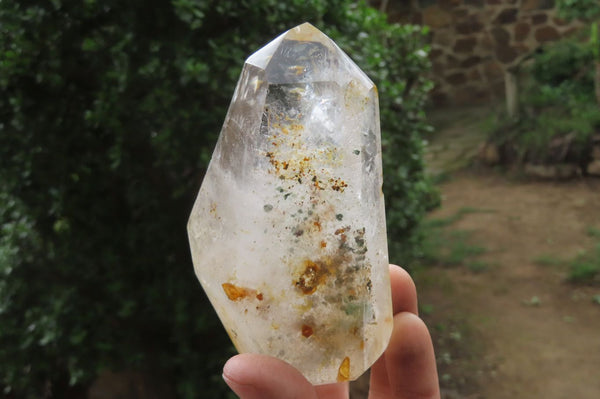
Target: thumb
<point>253,376</point>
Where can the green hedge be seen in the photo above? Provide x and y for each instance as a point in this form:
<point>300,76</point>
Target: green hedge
<point>559,112</point>
<point>108,115</point>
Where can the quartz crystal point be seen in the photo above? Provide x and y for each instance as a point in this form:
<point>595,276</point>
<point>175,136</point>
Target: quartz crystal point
<point>288,230</point>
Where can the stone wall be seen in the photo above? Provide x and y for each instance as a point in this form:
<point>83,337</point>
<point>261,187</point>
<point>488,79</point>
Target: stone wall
<point>473,42</point>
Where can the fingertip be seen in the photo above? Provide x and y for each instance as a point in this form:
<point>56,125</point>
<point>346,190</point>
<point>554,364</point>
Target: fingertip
<point>410,336</point>
<point>404,291</point>
<point>236,377</point>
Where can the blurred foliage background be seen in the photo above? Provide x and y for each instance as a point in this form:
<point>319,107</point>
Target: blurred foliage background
<point>108,115</point>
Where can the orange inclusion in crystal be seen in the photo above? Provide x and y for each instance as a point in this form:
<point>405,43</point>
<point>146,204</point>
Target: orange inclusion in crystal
<point>311,277</point>
<point>344,370</point>
<point>235,293</point>
<point>307,331</point>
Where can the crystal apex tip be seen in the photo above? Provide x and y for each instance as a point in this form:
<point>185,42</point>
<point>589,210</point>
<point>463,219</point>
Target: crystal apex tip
<point>304,32</point>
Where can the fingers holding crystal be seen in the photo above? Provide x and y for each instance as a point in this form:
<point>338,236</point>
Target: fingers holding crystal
<point>407,370</point>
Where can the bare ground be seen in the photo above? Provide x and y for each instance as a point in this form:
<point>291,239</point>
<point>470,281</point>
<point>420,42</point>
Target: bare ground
<point>517,329</point>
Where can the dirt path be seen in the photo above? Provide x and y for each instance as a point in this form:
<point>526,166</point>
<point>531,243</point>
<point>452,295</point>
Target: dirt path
<point>459,133</point>
<point>517,329</point>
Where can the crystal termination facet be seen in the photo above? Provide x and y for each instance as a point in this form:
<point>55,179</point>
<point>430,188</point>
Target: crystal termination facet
<point>288,230</point>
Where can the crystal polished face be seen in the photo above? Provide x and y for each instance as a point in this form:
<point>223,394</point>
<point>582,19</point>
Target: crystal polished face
<point>288,230</point>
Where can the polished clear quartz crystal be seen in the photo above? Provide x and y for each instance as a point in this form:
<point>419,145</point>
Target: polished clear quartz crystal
<point>288,230</point>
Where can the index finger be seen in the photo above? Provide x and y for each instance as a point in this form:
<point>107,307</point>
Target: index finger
<point>404,292</point>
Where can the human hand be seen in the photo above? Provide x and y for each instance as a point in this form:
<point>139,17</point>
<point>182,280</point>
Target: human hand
<point>406,370</point>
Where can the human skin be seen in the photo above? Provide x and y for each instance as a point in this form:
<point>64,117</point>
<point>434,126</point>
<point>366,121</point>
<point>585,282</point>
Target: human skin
<point>406,370</point>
